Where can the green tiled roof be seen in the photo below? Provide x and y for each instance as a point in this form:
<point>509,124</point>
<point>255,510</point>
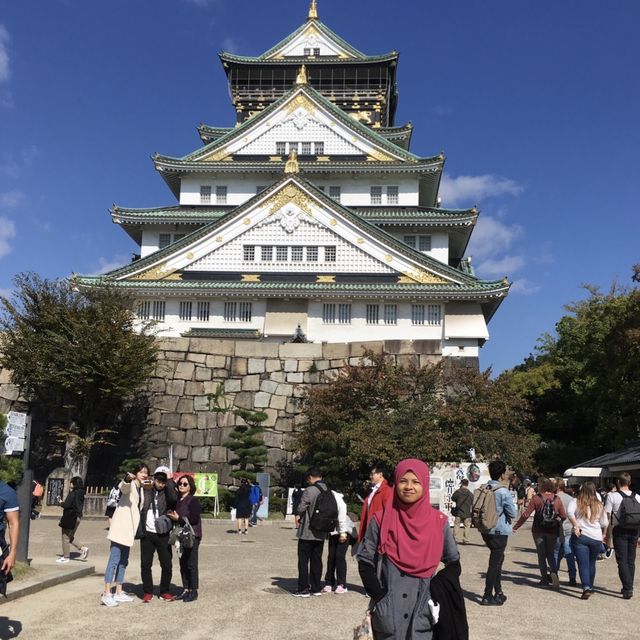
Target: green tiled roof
<point>415,214</point>
<point>425,261</point>
<point>209,134</point>
<point>179,213</point>
<point>205,332</point>
<point>308,60</point>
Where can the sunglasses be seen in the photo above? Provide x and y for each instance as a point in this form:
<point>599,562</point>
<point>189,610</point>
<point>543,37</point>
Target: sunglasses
<point>183,484</point>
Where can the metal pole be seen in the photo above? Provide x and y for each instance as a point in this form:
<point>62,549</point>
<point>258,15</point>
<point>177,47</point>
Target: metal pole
<point>25,490</point>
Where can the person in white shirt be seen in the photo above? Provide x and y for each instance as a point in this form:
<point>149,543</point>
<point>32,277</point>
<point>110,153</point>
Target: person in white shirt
<point>625,540</point>
<point>589,520</point>
<point>339,539</point>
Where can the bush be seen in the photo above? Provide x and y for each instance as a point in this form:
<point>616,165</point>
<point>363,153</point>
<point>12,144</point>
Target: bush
<point>11,470</point>
<point>278,505</point>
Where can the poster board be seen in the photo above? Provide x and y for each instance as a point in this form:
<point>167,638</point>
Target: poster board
<point>206,485</point>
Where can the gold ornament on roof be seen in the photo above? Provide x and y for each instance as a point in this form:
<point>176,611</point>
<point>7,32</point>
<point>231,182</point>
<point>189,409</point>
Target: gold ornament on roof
<point>301,78</point>
<point>313,9</point>
<point>292,165</point>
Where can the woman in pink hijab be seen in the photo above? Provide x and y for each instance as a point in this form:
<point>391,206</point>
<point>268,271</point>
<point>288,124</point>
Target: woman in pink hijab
<point>409,538</point>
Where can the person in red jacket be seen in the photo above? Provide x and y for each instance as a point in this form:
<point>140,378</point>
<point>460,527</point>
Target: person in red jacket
<point>375,500</point>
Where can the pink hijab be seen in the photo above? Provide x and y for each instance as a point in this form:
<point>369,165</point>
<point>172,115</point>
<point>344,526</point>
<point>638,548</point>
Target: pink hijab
<point>411,535</point>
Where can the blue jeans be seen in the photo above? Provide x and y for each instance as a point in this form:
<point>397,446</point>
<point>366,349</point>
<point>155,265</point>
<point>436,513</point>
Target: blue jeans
<point>254,513</point>
<point>117,563</point>
<point>563,550</point>
<point>586,551</point>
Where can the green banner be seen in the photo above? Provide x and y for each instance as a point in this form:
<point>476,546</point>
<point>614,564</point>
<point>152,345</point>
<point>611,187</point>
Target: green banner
<point>206,483</point>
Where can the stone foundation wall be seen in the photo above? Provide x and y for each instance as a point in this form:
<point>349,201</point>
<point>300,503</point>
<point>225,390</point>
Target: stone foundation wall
<point>265,376</point>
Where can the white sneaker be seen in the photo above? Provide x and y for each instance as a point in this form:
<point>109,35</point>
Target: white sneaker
<point>108,600</point>
<point>84,552</point>
<point>122,597</point>
<point>62,560</point>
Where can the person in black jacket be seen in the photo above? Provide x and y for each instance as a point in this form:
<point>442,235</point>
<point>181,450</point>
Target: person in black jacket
<point>72,506</point>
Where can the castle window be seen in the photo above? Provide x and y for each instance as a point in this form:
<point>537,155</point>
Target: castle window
<point>244,312</point>
<point>158,310</point>
<point>202,311</point>
<point>344,314</point>
<point>411,241</point>
<point>318,147</point>
<point>391,314</point>
<point>186,309</point>
<point>230,311</point>
<point>144,310</point>
<point>376,195</point>
<point>282,254</point>
<point>221,195</point>
<point>205,194</point>
<point>329,313</point>
<point>281,148</point>
<point>392,195</point>
<point>335,193</point>
<point>312,254</point>
<point>424,243</point>
<point>307,51</point>
<point>165,240</point>
<point>330,254</point>
<point>266,254</point>
<point>373,313</point>
<point>296,254</point>
<point>293,146</point>
<point>248,253</point>
<point>417,314</point>
<point>434,314</point>
<point>306,149</point>
<point>316,51</point>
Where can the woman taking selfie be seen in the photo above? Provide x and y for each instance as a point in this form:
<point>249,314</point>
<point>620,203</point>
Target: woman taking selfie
<point>122,533</point>
<point>188,508</point>
<point>411,538</point>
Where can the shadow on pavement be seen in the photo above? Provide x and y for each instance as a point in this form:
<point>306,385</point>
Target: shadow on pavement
<point>9,628</point>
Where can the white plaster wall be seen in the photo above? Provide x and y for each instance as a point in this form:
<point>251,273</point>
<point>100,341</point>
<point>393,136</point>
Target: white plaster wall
<point>439,242</point>
<point>239,189</point>
<point>461,348</point>
<point>151,236</point>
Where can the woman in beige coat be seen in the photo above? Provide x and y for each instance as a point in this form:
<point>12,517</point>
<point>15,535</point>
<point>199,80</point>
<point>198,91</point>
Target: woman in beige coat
<point>122,532</point>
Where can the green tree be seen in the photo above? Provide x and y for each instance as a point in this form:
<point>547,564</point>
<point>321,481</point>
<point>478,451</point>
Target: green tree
<point>245,441</point>
<point>77,353</point>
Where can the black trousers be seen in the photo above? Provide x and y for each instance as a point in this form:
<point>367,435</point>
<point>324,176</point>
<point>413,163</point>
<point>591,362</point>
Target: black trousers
<point>497,545</point>
<point>625,543</point>
<point>337,562</point>
<point>189,566</point>
<point>151,543</point>
<point>309,564</point>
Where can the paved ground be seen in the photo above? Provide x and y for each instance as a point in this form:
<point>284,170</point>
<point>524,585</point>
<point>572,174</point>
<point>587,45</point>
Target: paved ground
<point>245,585</point>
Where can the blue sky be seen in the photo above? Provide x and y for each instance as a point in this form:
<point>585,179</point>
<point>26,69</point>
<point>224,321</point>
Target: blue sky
<point>535,104</point>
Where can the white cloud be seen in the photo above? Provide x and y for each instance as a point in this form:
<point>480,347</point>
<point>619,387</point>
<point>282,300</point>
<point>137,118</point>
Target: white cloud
<point>7,233</point>
<point>13,165</point>
<point>499,267</point>
<point>523,286</point>
<point>468,190</point>
<point>201,3</point>
<point>5,71</point>
<point>6,293</point>
<point>230,45</point>
<point>491,237</point>
<point>105,265</point>
<point>10,199</point>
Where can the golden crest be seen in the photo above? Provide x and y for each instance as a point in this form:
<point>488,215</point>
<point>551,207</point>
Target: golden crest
<point>218,238</point>
<point>190,255</point>
<point>326,279</point>
<point>250,277</point>
<point>300,102</point>
<point>247,221</point>
<point>290,194</point>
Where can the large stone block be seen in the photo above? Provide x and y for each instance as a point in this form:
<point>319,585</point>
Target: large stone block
<point>166,403</point>
<point>299,351</point>
<point>184,371</point>
<point>232,385</point>
<point>177,356</point>
<point>213,437</point>
<point>176,436</point>
<point>5,376</point>
<point>272,416</point>
<point>290,365</point>
<point>244,400</point>
<point>188,421</point>
<point>164,369</point>
<point>194,389</point>
<point>407,360</point>
<point>251,383</point>
<point>202,373</point>
<point>201,454</point>
<point>293,405</point>
<point>274,456</point>
<point>220,374</point>
<point>239,367</point>
<point>206,420</point>
<point>10,392</point>
<point>311,378</point>
<point>359,348</point>
<point>216,362</point>
<point>173,344</point>
<point>211,346</point>
<point>299,391</point>
<point>198,358</point>
<point>153,416</point>
<point>284,390</point>
<point>195,438</point>
<point>284,424</point>
<point>278,376</point>
<point>180,452</point>
<point>338,364</point>
<point>305,365</point>
<point>272,439</point>
<point>426,360</point>
<point>201,403</point>
<point>256,365</point>
<point>250,349</point>
<point>269,386</point>
<point>295,377</point>
<point>175,387</point>
<point>261,400</point>
<point>218,454</point>
<point>335,350</point>
<point>185,405</point>
<point>273,365</point>
<point>278,402</point>
<point>322,365</point>
<point>157,385</point>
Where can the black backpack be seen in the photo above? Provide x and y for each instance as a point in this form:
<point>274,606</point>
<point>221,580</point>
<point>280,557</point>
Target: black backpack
<point>548,517</point>
<point>629,513</point>
<point>324,518</point>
